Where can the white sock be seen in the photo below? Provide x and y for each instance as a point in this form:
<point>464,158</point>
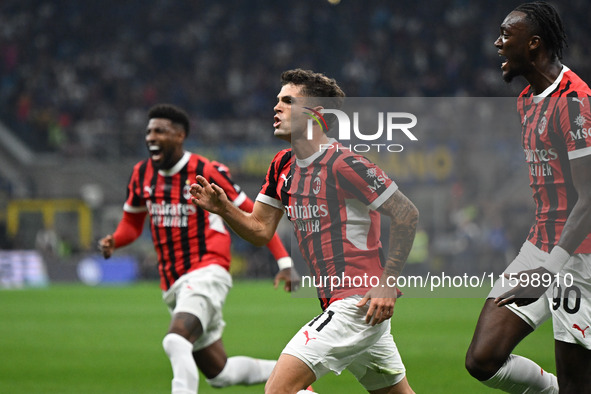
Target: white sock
<point>243,370</point>
<point>184,371</point>
<point>306,392</point>
<point>520,375</point>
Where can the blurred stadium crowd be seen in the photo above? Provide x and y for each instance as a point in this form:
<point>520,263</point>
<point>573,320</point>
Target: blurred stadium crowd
<point>76,78</point>
<point>75,73</point>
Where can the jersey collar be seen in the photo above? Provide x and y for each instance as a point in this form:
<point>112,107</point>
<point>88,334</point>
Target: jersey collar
<point>538,97</point>
<point>310,159</point>
<point>177,167</point>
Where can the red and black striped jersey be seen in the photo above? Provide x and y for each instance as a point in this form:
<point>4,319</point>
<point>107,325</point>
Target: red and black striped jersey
<point>556,128</point>
<point>331,199</point>
<point>185,237</point>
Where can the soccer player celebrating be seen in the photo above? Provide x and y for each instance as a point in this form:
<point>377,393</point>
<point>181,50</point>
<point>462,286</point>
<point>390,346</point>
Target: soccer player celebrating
<point>555,111</point>
<point>193,248</point>
<point>334,199</point>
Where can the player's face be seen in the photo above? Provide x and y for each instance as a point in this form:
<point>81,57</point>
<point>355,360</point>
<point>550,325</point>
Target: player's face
<point>164,140</point>
<point>284,121</point>
<point>513,44</point>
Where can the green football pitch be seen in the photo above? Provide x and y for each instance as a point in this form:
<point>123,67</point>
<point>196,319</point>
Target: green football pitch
<point>82,340</point>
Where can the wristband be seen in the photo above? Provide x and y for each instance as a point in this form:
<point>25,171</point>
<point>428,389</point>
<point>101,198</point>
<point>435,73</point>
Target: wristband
<point>556,259</point>
<point>284,262</point>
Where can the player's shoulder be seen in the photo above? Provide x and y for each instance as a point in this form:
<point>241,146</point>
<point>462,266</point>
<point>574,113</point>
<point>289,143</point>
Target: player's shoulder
<point>143,165</point>
<point>343,155</point>
<point>573,86</point>
<point>525,92</point>
<point>221,167</point>
<point>197,157</point>
<point>209,167</point>
<point>284,153</point>
<point>203,164</point>
<point>347,162</point>
<point>282,158</point>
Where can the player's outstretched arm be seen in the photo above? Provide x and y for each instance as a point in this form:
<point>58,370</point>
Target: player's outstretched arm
<point>286,272</point>
<point>291,278</point>
<point>129,229</point>
<point>576,228</point>
<point>107,246</point>
<point>404,217</point>
<point>257,227</point>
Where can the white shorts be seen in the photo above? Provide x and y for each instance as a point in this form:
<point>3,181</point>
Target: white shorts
<point>571,302</point>
<point>201,293</point>
<point>339,339</point>
<point>529,257</point>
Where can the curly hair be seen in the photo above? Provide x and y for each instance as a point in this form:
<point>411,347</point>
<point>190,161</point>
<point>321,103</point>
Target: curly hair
<point>172,113</point>
<point>315,84</point>
<point>546,23</point>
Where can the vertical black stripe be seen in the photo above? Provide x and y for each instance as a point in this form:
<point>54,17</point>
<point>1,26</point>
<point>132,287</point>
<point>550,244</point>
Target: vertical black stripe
<point>136,200</point>
<point>306,243</point>
<point>574,111</point>
<point>561,92</point>
<point>163,266</point>
<point>529,130</point>
<point>315,238</point>
<point>334,213</point>
<point>284,194</point>
<point>545,184</point>
<point>549,184</point>
<point>201,217</point>
<point>184,231</point>
<point>168,198</point>
<point>275,170</point>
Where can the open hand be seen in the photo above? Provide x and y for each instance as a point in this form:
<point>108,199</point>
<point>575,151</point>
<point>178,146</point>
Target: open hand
<point>529,286</point>
<point>208,196</point>
<point>290,277</point>
<point>381,304</point>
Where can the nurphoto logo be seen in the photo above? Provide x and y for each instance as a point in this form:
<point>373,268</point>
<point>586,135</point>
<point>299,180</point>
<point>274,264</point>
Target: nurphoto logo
<point>389,124</point>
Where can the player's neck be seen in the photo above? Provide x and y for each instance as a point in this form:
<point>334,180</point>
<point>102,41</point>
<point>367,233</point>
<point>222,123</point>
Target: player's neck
<point>304,148</point>
<point>544,75</point>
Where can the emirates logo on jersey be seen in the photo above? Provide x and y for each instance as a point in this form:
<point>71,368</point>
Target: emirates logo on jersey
<point>540,155</point>
<point>305,212</point>
<point>316,185</point>
<point>170,209</point>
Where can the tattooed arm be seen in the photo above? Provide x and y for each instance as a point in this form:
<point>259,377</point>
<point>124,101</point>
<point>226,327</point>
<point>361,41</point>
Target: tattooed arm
<point>404,217</point>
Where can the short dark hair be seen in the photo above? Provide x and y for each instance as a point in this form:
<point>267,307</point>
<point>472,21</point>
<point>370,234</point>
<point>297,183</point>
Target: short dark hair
<point>316,85</point>
<point>172,113</point>
<point>546,23</point>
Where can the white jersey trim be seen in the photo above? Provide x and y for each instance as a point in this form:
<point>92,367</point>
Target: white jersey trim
<point>270,201</point>
<point>358,223</point>
<point>384,196</point>
<point>575,154</point>
<point>240,199</point>
<point>177,167</point>
<point>310,159</point>
<point>132,209</point>
<point>217,223</point>
<point>550,89</point>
